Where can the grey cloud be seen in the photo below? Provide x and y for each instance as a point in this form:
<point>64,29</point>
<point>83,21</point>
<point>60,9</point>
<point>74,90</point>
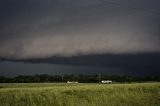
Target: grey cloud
<point>33,29</point>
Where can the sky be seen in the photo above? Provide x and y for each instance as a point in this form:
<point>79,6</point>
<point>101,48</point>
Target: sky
<point>67,28</point>
<point>45,28</point>
<point>12,69</point>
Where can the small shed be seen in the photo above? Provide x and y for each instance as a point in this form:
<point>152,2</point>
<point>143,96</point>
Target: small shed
<point>106,81</point>
<point>72,82</point>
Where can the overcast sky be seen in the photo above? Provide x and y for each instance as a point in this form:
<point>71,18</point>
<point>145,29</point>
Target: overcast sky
<point>45,28</point>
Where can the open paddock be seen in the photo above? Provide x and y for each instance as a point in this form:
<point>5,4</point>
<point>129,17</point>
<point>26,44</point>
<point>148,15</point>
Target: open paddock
<point>80,94</point>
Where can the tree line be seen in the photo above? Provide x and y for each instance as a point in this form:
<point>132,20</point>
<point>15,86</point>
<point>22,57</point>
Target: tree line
<point>44,78</point>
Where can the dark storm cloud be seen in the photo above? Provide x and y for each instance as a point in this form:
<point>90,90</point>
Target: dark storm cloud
<point>44,28</point>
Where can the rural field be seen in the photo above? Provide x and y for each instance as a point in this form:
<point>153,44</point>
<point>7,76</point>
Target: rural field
<point>62,94</point>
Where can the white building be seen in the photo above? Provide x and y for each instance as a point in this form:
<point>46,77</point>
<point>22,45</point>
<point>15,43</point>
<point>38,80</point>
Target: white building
<point>69,82</point>
<point>106,81</point>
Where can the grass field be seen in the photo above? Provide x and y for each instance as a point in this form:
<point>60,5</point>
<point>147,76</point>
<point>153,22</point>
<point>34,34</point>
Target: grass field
<point>59,94</point>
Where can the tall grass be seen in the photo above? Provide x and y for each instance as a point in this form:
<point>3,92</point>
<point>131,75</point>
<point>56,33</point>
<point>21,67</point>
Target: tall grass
<point>49,94</point>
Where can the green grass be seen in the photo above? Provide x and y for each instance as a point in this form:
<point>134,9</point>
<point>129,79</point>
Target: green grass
<point>58,94</point>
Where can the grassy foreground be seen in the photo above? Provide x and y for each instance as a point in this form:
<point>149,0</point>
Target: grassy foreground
<point>57,94</point>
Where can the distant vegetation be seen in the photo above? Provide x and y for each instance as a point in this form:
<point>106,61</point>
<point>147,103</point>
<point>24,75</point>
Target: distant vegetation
<point>80,78</point>
<point>81,94</point>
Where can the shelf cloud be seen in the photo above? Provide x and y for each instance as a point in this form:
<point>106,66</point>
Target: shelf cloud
<point>39,29</point>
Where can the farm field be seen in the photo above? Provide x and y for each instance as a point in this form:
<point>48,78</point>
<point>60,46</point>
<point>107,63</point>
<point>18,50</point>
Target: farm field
<point>81,94</point>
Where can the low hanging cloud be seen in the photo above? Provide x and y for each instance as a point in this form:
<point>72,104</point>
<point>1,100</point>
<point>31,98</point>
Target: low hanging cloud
<point>40,47</point>
<point>42,29</point>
